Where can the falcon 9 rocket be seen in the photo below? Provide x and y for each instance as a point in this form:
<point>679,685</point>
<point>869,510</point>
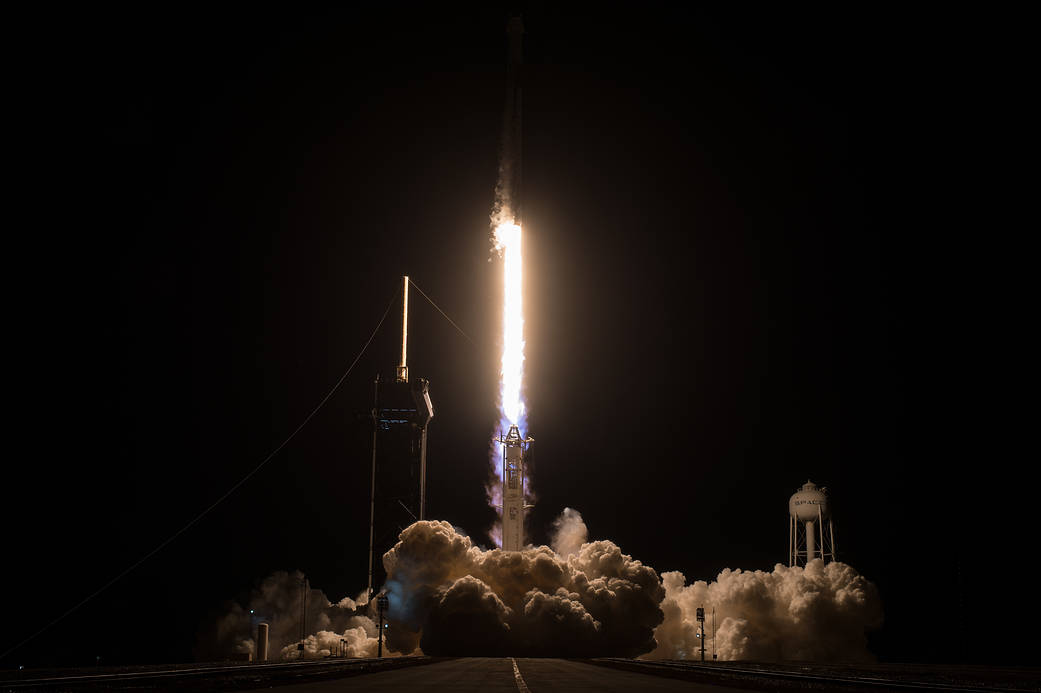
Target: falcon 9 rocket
<point>506,221</point>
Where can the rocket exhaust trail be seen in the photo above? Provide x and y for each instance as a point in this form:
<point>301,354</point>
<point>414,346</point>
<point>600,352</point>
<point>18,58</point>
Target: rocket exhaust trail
<point>508,491</point>
<point>508,191</point>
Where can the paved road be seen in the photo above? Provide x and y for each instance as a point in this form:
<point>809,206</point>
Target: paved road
<point>496,675</point>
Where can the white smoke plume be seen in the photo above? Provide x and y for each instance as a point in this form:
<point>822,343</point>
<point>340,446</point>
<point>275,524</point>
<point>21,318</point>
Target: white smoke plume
<point>450,597</point>
<point>277,602</point>
<point>569,533</point>
<point>360,642</point>
<point>817,613</point>
<point>576,599</point>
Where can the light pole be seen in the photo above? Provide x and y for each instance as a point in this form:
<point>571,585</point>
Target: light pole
<point>701,630</point>
<point>382,604</point>
<point>303,617</point>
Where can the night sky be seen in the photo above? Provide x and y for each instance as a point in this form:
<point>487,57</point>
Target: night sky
<point>741,272</point>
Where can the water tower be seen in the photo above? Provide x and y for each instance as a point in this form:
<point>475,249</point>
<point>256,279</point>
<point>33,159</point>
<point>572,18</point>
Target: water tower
<point>810,518</point>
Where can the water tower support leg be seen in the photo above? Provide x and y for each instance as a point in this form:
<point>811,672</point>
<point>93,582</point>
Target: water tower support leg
<point>791,541</point>
<point>811,544</point>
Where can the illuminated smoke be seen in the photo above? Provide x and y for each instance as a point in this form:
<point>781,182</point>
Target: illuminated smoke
<point>449,597</point>
<point>277,602</point>
<point>816,613</point>
<point>581,598</point>
<point>569,533</point>
<point>360,641</point>
<point>576,599</point>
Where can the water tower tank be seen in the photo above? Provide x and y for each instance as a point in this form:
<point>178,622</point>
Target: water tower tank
<point>804,503</point>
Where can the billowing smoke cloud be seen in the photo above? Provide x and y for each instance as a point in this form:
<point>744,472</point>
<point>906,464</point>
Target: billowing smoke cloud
<point>569,533</point>
<point>360,641</point>
<point>576,599</point>
<point>450,597</point>
<point>277,602</point>
<point>817,613</point>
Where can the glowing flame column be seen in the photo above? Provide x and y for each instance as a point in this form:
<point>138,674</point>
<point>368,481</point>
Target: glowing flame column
<point>511,404</point>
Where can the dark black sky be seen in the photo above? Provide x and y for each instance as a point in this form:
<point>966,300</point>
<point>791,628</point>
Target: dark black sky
<point>742,273</point>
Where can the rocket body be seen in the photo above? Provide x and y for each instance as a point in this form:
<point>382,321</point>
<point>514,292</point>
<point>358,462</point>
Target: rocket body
<point>513,473</point>
<point>513,500</point>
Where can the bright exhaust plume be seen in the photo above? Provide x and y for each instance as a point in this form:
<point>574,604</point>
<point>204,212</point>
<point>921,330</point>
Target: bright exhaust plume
<point>507,240</point>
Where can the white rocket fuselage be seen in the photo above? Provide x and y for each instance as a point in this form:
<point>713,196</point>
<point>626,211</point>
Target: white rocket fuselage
<point>513,499</point>
<point>513,489</point>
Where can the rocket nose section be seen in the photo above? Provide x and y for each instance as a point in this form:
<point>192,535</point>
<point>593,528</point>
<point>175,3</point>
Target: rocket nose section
<point>515,27</point>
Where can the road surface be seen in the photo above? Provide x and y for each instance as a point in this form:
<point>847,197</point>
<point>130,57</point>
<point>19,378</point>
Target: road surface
<point>497,675</point>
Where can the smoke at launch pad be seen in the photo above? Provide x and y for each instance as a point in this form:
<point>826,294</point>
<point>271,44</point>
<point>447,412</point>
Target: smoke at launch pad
<point>575,598</point>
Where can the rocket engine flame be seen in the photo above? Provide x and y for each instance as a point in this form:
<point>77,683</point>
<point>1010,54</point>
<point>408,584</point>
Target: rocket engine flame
<point>506,241</point>
<point>511,404</point>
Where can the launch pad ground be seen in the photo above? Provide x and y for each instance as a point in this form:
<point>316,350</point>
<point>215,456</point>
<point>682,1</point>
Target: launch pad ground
<point>213,676</point>
<point>507,675</point>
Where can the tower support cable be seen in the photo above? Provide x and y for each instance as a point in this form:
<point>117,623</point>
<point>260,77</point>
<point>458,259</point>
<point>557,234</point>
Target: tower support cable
<point>217,502</point>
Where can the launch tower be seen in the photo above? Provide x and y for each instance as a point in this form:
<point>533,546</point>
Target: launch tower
<point>401,414</point>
